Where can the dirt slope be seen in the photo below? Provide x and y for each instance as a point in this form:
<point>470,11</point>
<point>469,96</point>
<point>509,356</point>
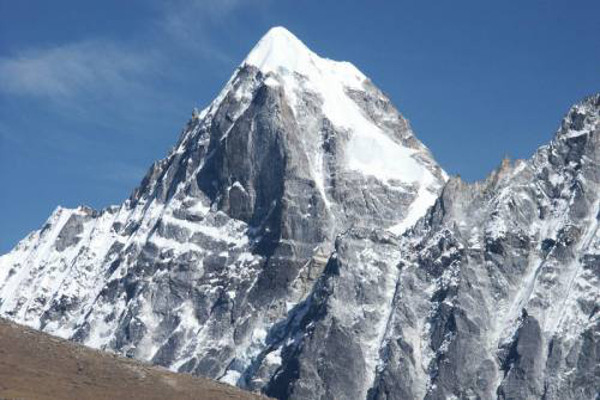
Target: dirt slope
<point>36,366</point>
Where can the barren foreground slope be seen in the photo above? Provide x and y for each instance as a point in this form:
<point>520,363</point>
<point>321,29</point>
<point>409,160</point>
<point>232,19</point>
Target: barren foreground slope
<point>36,366</point>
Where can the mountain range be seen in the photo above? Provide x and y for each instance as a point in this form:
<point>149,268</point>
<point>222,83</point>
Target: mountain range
<point>300,241</point>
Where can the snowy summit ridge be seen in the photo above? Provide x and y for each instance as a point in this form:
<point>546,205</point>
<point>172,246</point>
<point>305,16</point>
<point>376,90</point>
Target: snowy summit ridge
<point>279,49</point>
<point>282,57</point>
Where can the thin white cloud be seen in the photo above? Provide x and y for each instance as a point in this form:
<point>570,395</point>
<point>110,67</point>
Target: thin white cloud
<point>121,78</point>
<point>189,24</point>
<point>73,69</point>
<point>213,8</point>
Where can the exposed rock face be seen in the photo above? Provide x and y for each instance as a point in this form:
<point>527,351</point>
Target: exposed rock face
<point>270,250</point>
<point>500,280</point>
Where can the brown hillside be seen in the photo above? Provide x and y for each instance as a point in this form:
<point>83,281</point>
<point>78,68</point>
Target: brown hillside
<point>36,366</point>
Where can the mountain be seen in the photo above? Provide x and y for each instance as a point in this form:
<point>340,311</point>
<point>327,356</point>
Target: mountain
<point>79,373</point>
<point>300,241</point>
<point>210,263</point>
<point>499,289</point>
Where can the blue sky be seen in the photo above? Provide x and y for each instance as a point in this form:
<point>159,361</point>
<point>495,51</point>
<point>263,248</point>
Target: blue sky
<point>92,92</point>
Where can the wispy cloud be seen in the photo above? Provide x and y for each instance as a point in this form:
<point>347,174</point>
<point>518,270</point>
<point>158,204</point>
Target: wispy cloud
<point>214,9</point>
<point>109,68</point>
<point>74,69</point>
<point>189,23</point>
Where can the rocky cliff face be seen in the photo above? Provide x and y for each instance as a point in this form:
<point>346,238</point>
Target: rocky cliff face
<point>493,294</point>
<point>499,287</point>
<point>276,248</point>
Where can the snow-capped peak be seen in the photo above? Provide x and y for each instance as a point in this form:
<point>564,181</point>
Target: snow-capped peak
<point>280,51</point>
<point>372,150</point>
<point>279,48</point>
